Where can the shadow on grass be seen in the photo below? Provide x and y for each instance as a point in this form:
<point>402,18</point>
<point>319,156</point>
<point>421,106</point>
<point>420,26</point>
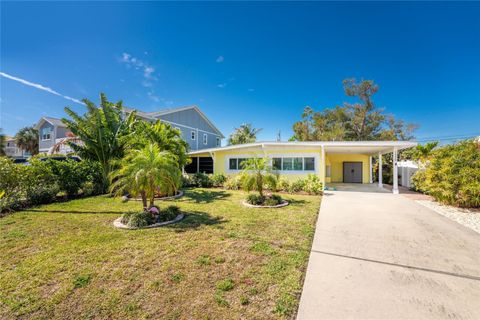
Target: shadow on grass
<point>205,196</point>
<point>292,201</point>
<point>195,219</point>
<point>75,211</point>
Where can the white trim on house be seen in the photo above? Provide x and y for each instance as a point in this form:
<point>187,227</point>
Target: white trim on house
<point>205,139</point>
<point>367,147</point>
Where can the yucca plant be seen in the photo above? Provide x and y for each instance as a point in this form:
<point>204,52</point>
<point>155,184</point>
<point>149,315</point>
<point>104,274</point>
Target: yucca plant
<point>144,172</point>
<point>256,172</point>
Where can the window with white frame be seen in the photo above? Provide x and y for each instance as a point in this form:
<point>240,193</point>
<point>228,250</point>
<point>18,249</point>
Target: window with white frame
<point>293,164</point>
<point>218,142</point>
<point>46,133</point>
<point>205,139</point>
<point>280,163</point>
<point>192,135</point>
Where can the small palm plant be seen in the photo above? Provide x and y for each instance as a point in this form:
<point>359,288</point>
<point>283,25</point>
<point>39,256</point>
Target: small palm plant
<point>144,172</point>
<point>256,173</point>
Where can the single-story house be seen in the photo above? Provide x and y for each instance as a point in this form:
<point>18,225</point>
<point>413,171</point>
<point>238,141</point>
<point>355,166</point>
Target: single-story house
<point>332,161</point>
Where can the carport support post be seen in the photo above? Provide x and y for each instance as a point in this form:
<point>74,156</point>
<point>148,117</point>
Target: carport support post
<point>380,177</point>
<point>371,170</point>
<point>395,171</point>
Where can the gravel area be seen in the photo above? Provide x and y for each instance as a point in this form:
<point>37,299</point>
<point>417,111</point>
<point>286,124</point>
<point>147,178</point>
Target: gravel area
<point>469,218</point>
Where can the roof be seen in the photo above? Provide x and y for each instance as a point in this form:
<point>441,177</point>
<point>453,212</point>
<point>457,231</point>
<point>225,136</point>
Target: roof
<point>155,114</point>
<point>53,121</point>
<point>365,147</point>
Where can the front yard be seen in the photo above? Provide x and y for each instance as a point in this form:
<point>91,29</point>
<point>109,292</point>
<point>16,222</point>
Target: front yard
<point>66,260</point>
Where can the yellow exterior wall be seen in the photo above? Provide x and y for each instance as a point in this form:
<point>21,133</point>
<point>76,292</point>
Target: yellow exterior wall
<point>333,159</point>
<point>336,163</point>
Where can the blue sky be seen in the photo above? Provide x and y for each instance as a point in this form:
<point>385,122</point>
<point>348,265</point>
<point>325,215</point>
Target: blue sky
<point>252,62</point>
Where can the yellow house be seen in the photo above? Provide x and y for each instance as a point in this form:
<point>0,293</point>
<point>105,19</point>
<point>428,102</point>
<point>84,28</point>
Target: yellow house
<point>332,161</point>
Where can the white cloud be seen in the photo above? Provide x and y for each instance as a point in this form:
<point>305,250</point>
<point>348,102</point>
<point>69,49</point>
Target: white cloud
<point>220,59</point>
<point>39,86</point>
<point>251,90</point>
<point>147,70</point>
<point>221,85</point>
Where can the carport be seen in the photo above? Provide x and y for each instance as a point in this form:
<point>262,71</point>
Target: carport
<point>352,161</point>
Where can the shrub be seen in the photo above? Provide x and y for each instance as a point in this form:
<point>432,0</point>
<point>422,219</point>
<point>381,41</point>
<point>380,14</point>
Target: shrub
<point>296,186</point>
<point>452,175</point>
<point>255,199</point>
<point>273,200</point>
<point>11,184</point>
<point>218,179</point>
<point>313,185</point>
<point>140,219</point>
<point>169,213</point>
<point>283,184</point>
<point>187,181</point>
<point>201,180</point>
<point>126,217</point>
<point>233,182</point>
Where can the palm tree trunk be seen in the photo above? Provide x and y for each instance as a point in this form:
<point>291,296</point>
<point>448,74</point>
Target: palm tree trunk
<point>144,199</point>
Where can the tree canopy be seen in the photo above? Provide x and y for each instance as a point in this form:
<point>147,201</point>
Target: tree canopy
<point>360,120</point>
<point>103,132</point>
<point>246,133</point>
<point>27,140</point>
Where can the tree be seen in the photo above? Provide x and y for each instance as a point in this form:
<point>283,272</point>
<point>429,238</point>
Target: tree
<point>256,172</point>
<point>420,153</point>
<point>2,143</point>
<point>164,136</point>
<point>144,172</point>
<point>103,131</point>
<point>361,120</point>
<point>244,134</point>
<point>27,140</point>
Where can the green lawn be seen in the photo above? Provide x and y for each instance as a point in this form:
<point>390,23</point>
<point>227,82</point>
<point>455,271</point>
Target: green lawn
<point>66,260</point>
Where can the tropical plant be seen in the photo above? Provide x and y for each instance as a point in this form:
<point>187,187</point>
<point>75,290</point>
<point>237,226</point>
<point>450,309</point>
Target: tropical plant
<point>164,136</point>
<point>2,143</point>
<point>27,140</point>
<point>256,173</point>
<point>146,171</point>
<point>352,121</point>
<point>243,134</point>
<point>452,174</point>
<point>103,132</point>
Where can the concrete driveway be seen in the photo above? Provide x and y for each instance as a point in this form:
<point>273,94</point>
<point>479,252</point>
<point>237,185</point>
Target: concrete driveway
<point>377,255</point>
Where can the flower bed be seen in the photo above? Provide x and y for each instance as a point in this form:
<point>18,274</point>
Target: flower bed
<point>151,218</point>
<point>268,201</point>
<point>118,223</point>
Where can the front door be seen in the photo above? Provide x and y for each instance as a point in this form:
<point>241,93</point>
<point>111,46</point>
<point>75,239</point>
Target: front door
<point>352,172</point>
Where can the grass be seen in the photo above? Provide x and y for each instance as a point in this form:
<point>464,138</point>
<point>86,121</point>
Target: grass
<point>67,261</point>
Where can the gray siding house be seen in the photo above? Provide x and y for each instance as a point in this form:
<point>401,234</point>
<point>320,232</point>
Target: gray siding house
<point>50,131</point>
<point>197,130</point>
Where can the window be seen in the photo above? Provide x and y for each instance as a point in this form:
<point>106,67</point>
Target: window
<point>277,163</point>
<point>328,172</point>
<point>192,135</point>
<point>233,164</point>
<point>218,142</point>
<point>287,164</point>
<point>205,138</point>
<point>297,163</point>
<point>240,163</point>
<point>46,133</point>
<point>309,164</point>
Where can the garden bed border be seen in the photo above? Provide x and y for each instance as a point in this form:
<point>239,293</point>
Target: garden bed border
<point>248,205</point>
<point>118,223</point>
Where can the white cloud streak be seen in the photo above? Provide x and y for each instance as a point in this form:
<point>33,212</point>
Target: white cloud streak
<point>220,59</point>
<point>40,87</point>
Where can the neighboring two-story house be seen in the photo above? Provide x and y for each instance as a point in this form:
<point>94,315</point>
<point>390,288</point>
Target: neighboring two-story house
<point>197,130</point>
<point>12,151</point>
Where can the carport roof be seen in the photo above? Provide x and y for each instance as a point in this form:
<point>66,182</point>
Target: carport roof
<point>362,147</point>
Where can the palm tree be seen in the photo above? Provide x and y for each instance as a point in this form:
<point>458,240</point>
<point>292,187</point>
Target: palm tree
<point>244,134</point>
<point>103,132</point>
<point>164,136</point>
<point>27,140</point>
<point>2,143</point>
<point>256,172</point>
<point>422,153</point>
<point>144,172</point>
